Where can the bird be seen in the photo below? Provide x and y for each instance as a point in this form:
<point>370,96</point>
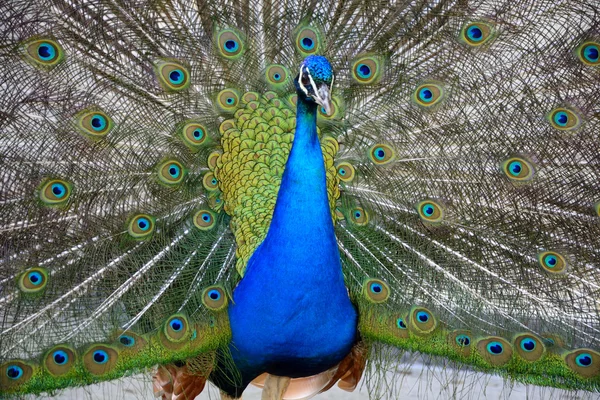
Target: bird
<point>292,193</point>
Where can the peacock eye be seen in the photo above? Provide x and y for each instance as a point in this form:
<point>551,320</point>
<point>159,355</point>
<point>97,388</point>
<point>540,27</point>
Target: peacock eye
<point>382,154</point>
<point>176,76</point>
<point>60,357</point>
<point>43,53</point>
<point>308,40</point>
<point>94,123</point>
<point>367,69</point>
<point>172,76</point>
<point>428,95</point>
<point>463,340</point>
<point>230,44</point>
<point>277,76</point>
<point>55,192</point>
<point>100,357</point>
<point>495,348</point>
<point>430,211</point>
<point>423,316</point>
<point>518,169</point>
<point>528,344</point>
<point>193,135</point>
<point>210,182</point>
<point>477,33</point>
<point>204,220</point>
<point>33,280</point>
<point>376,290</point>
<point>400,323</point>
<point>589,53</point>
<point>584,360</point>
<point>228,100</point>
<point>359,216</point>
<point>346,172</point>
<point>171,173</point>
<point>14,372</point>
<point>126,340</point>
<point>214,298</point>
<point>564,119</point>
<point>307,43</point>
<point>552,262</point>
<point>176,324</point>
<point>141,226</point>
<point>363,70</point>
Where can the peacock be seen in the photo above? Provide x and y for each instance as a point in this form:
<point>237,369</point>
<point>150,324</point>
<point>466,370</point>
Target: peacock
<point>293,193</point>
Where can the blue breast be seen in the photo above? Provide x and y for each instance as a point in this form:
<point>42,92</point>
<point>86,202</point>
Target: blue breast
<point>291,314</point>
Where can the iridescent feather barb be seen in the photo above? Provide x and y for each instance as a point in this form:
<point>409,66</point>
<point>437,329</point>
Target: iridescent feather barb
<point>194,186</point>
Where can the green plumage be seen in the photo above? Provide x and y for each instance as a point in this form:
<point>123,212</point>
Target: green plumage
<point>142,146</point>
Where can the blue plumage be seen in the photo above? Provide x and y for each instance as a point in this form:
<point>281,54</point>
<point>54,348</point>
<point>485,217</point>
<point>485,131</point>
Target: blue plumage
<point>294,283</point>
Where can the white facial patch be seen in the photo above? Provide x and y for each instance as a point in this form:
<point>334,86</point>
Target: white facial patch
<point>320,96</point>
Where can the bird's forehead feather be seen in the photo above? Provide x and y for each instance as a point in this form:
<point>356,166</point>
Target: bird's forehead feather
<point>319,68</point>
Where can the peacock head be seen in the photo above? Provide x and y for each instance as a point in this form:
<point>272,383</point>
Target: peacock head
<point>315,81</point>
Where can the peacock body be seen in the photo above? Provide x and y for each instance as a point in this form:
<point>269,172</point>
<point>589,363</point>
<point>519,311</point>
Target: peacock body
<point>280,192</point>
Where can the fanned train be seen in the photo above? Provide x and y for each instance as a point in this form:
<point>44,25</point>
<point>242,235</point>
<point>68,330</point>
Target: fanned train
<point>291,193</point>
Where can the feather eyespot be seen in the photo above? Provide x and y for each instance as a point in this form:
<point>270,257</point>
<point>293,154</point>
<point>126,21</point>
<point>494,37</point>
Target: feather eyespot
<point>171,173</point>
<point>518,169</point>
<point>564,119</point>
<point>376,290</point>
<point>429,94</point>
<point>382,154</point>
<point>177,328</point>
<point>346,172</point>
<point>367,70</point>
<point>359,216</point>
<point>55,192</point>
<point>422,321</point>
<point>584,361</point>
<point>14,372</point>
<point>94,123</point>
<point>204,220</point>
<point>34,280</point>
<point>230,44</point>
<point>477,33</point>
<point>193,134</point>
<point>589,53</point>
<point>228,100</point>
<point>277,76</point>
<point>495,350</point>
<point>141,226</point>
<point>59,360</point>
<point>529,347</point>
<point>430,211</point>
<point>127,340</point>
<point>214,298</point>
<point>308,40</point>
<point>463,340</point>
<point>100,359</point>
<point>43,53</point>
<point>401,324</point>
<point>552,262</point>
<point>210,182</point>
<point>172,76</point>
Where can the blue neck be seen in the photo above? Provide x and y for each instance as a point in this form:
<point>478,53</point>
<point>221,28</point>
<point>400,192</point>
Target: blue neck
<point>302,213</point>
<point>291,314</point>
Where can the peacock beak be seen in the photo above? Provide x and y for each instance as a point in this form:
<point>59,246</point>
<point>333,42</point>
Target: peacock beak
<point>323,98</point>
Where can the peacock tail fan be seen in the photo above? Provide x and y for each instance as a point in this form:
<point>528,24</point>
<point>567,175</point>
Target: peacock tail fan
<point>143,144</point>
